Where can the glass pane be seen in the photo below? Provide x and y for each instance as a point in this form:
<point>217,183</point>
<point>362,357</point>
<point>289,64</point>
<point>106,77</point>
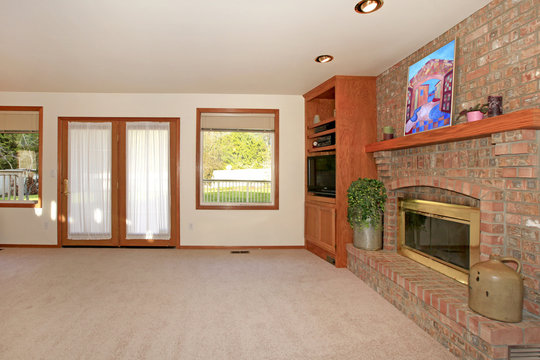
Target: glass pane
<point>237,167</point>
<point>148,200</point>
<point>89,162</point>
<point>444,239</point>
<point>19,158</point>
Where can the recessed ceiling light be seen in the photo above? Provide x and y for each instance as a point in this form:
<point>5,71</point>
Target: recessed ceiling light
<point>324,58</point>
<point>368,6</point>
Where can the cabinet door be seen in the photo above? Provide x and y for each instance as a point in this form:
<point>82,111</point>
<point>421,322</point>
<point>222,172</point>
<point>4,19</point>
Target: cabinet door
<point>328,228</point>
<point>312,230</point>
<point>321,226</point>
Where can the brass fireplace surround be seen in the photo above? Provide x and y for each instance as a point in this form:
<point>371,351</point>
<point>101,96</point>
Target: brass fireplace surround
<point>455,213</point>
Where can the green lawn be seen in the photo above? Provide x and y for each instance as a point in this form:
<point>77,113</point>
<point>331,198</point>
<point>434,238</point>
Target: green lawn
<point>237,197</point>
<point>30,198</point>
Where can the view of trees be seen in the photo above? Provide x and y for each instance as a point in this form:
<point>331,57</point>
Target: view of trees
<point>12,144</point>
<point>20,150</point>
<point>239,150</point>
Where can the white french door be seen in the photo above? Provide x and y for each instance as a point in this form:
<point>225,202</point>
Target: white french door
<point>118,182</point>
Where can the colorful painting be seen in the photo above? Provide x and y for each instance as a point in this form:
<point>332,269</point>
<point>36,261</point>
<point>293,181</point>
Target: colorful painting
<point>429,91</point>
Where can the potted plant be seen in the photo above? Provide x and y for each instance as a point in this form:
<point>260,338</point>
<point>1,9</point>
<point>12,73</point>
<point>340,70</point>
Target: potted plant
<point>366,198</point>
<point>475,113</point>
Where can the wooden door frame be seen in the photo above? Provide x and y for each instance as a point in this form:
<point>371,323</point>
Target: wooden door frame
<point>174,172</point>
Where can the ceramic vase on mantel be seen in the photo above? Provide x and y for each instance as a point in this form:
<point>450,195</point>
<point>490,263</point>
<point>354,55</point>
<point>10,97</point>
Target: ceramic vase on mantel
<point>474,116</point>
<point>388,132</point>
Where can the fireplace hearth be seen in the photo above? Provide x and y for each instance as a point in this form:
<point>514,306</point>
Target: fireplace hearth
<point>491,165</point>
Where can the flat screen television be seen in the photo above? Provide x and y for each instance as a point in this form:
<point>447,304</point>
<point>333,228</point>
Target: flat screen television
<point>321,175</point>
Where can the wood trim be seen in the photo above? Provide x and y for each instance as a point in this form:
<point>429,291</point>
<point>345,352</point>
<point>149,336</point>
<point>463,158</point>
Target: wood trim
<point>20,205</point>
<point>59,174</point>
<point>27,246</point>
<point>236,110</point>
<point>39,109</point>
<point>319,199</point>
<point>40,160</point>
<point>237,207</point>
<point>320,89</point>
<point>177,188</point>
<point>285,247</point>
<point>112,119</point>
<point>198,163</point>
<point>323,254</point>
<point>523,119</point>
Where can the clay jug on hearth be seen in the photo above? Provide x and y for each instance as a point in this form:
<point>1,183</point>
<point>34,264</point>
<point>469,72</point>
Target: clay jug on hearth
<point>496,290</point>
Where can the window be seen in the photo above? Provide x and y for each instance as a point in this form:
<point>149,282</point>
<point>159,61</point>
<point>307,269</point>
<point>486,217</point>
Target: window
<point>20,156</point>
<point>237,159</point>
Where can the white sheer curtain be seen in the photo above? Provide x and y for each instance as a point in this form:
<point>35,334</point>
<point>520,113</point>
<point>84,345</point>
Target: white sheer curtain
<point>148,200</point>
<point>89,162</point>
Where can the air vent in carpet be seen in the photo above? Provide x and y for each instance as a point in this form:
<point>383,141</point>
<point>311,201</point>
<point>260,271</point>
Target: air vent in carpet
<point>523,352</point>
<point>240,252</point>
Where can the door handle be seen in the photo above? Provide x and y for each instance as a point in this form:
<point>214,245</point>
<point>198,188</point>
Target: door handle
<point>66,187</point>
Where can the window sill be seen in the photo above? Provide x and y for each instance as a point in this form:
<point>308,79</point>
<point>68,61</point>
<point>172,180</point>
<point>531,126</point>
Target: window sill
<point>237,207</point>
<point>19,204</point>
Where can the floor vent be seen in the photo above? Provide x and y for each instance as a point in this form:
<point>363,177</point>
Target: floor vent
<point>524,352</point>
<point>331,260</point>
<point>240,252</point>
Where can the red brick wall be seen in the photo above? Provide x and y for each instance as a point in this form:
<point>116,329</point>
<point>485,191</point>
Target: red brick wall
<point>497,53</point>
<point>500,171</point>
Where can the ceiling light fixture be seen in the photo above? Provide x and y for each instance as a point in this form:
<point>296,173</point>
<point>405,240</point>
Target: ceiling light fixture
<point>368,6</point>
<point>324,58</point>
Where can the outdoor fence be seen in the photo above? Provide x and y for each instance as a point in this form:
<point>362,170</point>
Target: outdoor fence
<point>237,191</point>
<point>17,184</point>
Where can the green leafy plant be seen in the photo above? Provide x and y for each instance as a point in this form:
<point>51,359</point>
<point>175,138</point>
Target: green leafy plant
<point>483,108</point>
<point>366,202</point>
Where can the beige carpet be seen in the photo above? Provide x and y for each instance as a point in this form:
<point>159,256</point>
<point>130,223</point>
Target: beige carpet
<point>195,304</point>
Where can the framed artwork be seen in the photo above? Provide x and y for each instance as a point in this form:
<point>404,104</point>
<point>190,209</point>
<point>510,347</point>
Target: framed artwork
<point>429,91</point>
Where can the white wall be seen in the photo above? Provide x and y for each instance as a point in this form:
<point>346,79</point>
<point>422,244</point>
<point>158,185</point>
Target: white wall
<point>197,227</point>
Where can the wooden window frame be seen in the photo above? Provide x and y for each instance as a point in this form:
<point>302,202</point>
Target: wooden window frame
<point>37,204</point>
<point>275,205</point>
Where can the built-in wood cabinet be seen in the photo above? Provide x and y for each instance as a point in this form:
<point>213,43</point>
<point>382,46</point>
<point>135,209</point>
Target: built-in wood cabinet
<point>348,103</point>
<point>320,225</point>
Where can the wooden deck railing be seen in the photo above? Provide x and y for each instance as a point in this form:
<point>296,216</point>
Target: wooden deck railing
<point>237,191</point>
<point>14,184</point>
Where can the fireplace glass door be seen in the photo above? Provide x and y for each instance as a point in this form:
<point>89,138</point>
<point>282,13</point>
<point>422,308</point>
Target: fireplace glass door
<point>444,239</point>
<point>442,236</point>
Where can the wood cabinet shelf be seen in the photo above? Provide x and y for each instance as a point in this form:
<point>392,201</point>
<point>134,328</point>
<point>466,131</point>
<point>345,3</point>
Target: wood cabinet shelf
<point>322,148</point>
<point>322,133</point>
<point>321,123</point>
<point>523,119</point>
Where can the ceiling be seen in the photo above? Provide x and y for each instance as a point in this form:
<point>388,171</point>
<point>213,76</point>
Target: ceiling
<point>235,46</point>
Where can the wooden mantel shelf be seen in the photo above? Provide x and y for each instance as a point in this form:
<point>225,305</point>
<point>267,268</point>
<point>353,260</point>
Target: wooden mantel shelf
<point>523,119</point>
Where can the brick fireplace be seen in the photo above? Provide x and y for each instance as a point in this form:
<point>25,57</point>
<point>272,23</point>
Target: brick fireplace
<point>482,164</point>
<point>492,164</point>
